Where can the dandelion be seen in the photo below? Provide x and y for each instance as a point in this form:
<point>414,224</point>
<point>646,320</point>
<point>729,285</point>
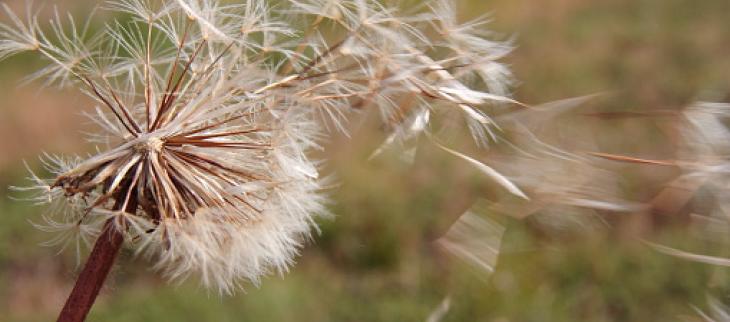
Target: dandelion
<point>208,111</point>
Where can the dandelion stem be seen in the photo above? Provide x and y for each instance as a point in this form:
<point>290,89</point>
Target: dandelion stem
<point>97,267</point>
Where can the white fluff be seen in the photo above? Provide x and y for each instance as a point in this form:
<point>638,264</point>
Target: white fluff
<point>208,111</point>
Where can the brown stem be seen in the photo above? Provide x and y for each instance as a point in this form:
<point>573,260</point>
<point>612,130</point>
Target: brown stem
<point>96,269</point>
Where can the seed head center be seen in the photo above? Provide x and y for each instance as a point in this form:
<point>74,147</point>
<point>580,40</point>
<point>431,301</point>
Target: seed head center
<point>151,144</point>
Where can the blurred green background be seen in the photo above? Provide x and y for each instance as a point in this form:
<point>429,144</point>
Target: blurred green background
<point>375,259</point>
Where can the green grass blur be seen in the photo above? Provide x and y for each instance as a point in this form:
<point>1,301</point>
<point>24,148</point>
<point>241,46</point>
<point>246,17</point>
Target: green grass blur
<point>374,259</point>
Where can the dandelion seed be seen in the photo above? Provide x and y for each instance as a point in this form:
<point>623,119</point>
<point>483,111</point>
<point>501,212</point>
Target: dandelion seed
<point>474,239</point>
<point>440,312</point>
<point>718,312</point>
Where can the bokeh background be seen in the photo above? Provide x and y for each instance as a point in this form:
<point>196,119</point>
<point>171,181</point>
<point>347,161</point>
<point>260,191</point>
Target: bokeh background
<point>375,259</point>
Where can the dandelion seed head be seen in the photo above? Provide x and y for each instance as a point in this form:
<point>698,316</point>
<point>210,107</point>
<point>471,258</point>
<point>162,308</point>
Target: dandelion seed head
<point>209,110</point>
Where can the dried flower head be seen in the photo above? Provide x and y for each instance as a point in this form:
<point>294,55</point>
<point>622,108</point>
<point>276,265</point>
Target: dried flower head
<point>209,108</point>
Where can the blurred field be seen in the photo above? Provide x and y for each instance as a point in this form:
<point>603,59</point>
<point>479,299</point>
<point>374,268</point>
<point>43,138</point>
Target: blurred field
<point>375,260</point>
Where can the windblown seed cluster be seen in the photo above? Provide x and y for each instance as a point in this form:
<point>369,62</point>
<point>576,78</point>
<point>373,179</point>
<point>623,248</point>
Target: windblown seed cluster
<point>208,110</point>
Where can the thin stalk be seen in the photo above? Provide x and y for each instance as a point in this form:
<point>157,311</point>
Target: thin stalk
<point>97,267</point>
